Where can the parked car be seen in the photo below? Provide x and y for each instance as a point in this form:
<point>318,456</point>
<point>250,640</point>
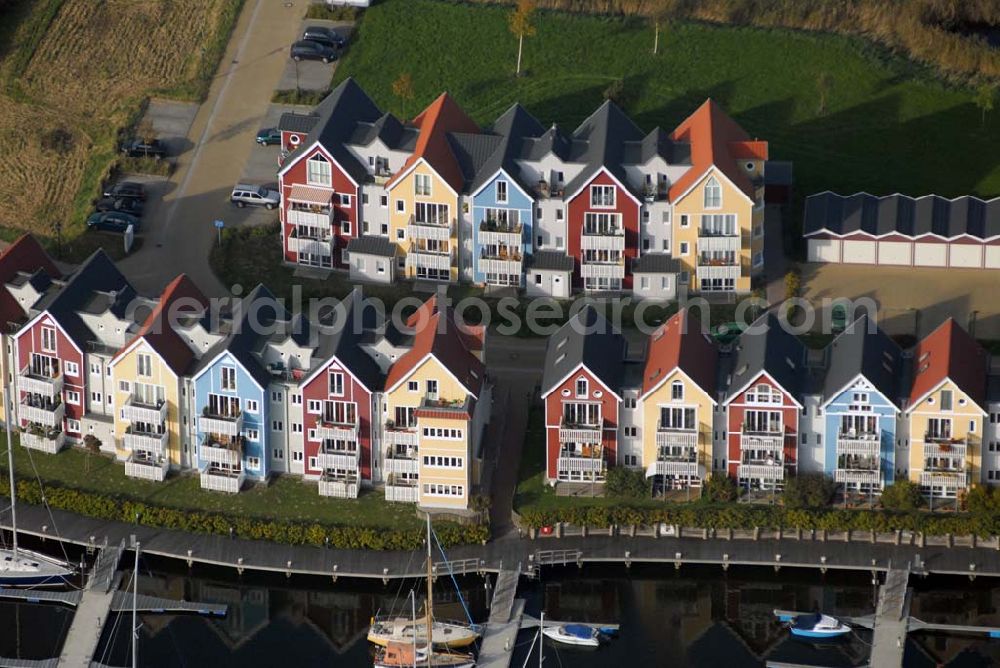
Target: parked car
<point>129,205</point>
<point>113,221</point>
<point>838,318</point>
<point>324,35</point>
<point>138,148</point>
<point>244,194</point>
<point>269,136</point>
<point>309,50</point>
<point>126,189</point>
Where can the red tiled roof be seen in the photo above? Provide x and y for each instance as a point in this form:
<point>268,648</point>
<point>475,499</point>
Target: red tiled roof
<point>26,255</point>
<point>442,116</point>
<point>715,139</point>
<point>680,343</point>
<point>438,334</point>
<point>949,352</point>
<point>159,332</point>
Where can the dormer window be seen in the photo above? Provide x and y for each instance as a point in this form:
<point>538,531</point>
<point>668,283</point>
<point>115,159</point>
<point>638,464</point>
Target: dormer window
<point>581,387</point>
<point>713,194</point>
<point>318,170</point>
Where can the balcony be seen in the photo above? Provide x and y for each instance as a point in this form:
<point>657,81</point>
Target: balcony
<point>666,437</point>
<point>338,489</point>
<point>613,240</point>
<point>135,410</point>
<point>510,267</point>
<point>49,441</point>
<point>314,246</point>
<point>945,447</point>
<point>584,434</point>
<point>689,469</point>
<point>857,477</point>
<point>219,454</point>
<point>340,460</point>
<point>397,464</point>
<point>861,445</point>
<point>421,258</point>
<point>603,269</point>
<point>946,479</point>
<point>45,413</point>
<point>402,493</point>
<point>47,385</point>
<point>151,442</point>
<point>381,176</point>
<point>224,425</point>
<point>336,431</point>
<point>218,480</point>
<point>769,440</point>
<point>765,472</point>
<point>394,435</point>
<point>544,190</point>
<point>718,243</point>
<point>569,464</point>
<point>146,469</point>
<point>320,221</point>
<point>494,234</point>
<point>439,230</point>
<point>708,272</point>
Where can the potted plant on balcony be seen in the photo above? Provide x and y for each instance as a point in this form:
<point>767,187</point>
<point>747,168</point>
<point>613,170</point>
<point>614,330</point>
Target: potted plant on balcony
<point>649,193</point>
<point>945,446</point>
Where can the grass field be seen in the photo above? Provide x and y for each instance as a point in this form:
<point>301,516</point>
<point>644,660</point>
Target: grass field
<point>73,73</point>
<point>286,498</point>
<point>888,125</point>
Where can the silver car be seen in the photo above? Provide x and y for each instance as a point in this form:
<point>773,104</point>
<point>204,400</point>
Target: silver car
<point>254,195</point>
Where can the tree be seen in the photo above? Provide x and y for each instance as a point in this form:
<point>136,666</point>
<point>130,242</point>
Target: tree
<point>986,97</point>
<point>402,88</point>
<point>626,483</point>
<point>520,22</point>
<point>809,490</point>
<point>93,447</point>
<point>720,488</point>
<point>793,284</point>
<point>824,84</point>
<point>661,17</point>
<point>902,495</point>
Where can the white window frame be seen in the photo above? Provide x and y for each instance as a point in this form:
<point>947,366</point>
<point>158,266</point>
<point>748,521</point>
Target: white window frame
<point>598,196</point>
<point>713,193</point>
<point>422,185</point>
<point>501,197</point>
<point>72,369</point>
<point>316,176</point>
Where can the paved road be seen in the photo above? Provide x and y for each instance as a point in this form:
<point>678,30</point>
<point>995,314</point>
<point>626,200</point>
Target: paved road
<point>508,427</point>
<point>180,232</point>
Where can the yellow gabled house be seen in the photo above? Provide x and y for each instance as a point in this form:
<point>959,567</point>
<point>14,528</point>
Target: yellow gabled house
<point>678,403</point>
<point>147,376</point>
<point>437,402</point>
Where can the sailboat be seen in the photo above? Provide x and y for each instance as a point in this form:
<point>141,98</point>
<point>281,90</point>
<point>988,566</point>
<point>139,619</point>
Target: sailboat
<point>20,567</point>
<point>399,652</point>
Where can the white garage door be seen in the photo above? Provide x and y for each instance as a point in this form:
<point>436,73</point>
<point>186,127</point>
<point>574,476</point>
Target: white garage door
<point>859,252</point>
<point>930,255</point>
<point>993,257</point>
<point>824,250</point>
<point>966,256</point>
<point>894,252</point>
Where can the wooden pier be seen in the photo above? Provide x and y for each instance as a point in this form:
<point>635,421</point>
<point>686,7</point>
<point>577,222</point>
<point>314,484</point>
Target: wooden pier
<point>93,609</point>
<point>504,623</point>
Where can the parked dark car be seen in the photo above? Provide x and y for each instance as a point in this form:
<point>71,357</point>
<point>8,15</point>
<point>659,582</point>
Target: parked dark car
<point>112,221</point>
<point>129,205</point>
<point>324,35</point>
<point>309,50</point>
<point>126,189</point>
<point>269,136</point>
<point>138,148</point>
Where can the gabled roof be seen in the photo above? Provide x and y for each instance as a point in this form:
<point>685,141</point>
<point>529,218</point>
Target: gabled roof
<point>657,143</point>
<point>438,333</point>
<point>435,122</point>
<point>472,151</point>
<point>291,121</point>
<point>158,330</point>
<point>587,340</point>
<point>551,260</point>
<point>553,141</point>
<point>386,128</point>
<point>24,255</point>
<point>773,351</point>
<point>604,133</point>
<point>715,139</point>
<point>343,341</point>
<point>876,357</point>
<point>513,127</point>
<point>372,245</point>
<point>680,343</point>
<point>949,352</point>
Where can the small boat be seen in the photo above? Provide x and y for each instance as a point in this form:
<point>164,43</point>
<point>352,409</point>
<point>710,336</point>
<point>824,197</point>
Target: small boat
<point>573,634</point>
<point>406,655</point>
<point>817,626</point>
<point>443,634</point>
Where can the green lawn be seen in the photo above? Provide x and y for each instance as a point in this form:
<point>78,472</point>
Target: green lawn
<point>889,125</point>
<point>286,498</point>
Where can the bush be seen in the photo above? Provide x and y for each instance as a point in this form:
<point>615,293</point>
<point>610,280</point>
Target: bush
<point>810,490</point>
<point>623,483</point>
<point>319,10</point>
<point>297,96</point>
<point>720,489</point>
<point>902,495</point>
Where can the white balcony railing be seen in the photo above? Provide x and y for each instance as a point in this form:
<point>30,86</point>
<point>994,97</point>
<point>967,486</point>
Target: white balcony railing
<point>418,230</point>
<point>320,221</point>
<point>760,472</point>
<point>48,415</point>
<point>393,436</point>
<point>602,242</point>
<point>955,449</point>
<point>503,267</point>
<point>38,383</point>
<point>419,259</point>
<point>855,477</point>
<point>948,480</point>
<point>336,432</point>
<point>215,454</point>
<point>147,470</point>
<point>500,238</point>
<point>584,464</point>
<point>580,433</point>
<point>600,270</point>
<point>50,444</point>
<point>682,439</point>
<point>136,411</point>
<point>688,469</point>
<point>774,442</point>
<point>311,246</point>
<point>155,444</point>
<point>402,493</point>
<point>219,424</point>
<point>341,461</point>
<point>862,447</point>
<point>338,489</point>
<point>218,481</point>
<point>718,243</point>
<point>401,465</point>
<point>717,271</point>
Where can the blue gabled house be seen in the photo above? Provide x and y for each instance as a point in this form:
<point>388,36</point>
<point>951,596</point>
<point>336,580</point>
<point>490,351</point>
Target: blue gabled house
<point>503,205</point>
<point>862,399</point>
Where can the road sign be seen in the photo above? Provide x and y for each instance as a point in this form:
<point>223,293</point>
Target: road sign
<point>219,224</point>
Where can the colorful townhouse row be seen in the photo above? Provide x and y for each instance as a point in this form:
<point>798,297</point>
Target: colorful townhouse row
<point>240,393</point>
<point>862,411</point>
<point>606,207</point>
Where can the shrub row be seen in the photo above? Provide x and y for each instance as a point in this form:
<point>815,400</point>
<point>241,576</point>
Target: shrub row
<point>742,516</point>
<point>107,507</point>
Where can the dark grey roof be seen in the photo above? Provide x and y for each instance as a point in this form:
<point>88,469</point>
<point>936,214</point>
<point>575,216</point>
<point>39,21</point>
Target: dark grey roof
<point>779,173</point>
<point>604,133</point>
<point>655,263</point>
<point>587,339</point>
<point>343,340</point>
<point>387,128</point>
<point>553,141</point>
<point>901,214</point>
<point>372,245</point>
<point>993,388</point>
<point>97,274</point>
<point>550,260</point>
<point>514,127</point>
<point>472,151</point>
<point>774,351</point>
<point>657,143</point>
<point>291,121</point>
<point>875,356</point>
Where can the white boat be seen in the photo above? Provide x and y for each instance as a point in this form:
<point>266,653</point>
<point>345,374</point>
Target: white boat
<point>573,634</point>
<point>817,626</point>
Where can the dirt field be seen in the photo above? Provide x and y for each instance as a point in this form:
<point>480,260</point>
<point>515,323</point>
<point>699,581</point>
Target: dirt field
<point>92,67</point>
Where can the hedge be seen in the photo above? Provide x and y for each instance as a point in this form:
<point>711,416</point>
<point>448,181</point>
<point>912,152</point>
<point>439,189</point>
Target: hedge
<point>107,507</point>
<point>742,516</point>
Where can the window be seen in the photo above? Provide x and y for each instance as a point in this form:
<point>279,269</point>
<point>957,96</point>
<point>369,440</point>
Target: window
<point>73,425</point>
<point>677,391</point>
<point>677,418</point>
<point>253,406</point>
<point>432,389</point>
<point>559,214</point>
<point>502,192</point>
<point>364,198</point>
<point>253,463</point>
<point>581,387</point>
<point>228,378</point>
<point>345,200</point>
<point>718,225</point>
<point>95,368</point>
<point>713,194</point>
<point>538,279</point>
<point>665,282</point>
<point>413,386</point>
<point>630,402</point>
<point>644,283</point>
<point>312,462</point>
<point>443,490</point>
<point>946,400</point>
<point>296,399</point>
<point>442,433</point>
<point>314,407</point>
<point>685,220</point>
<point>684,248</point>
<point>318,170</point>
<point>144,364</point>
<point>296,427</point>
<point>95,397</point>
<point>279,453</point>
<point>277,425</point>
<point>336,383</point>
<point>49,339</point>
<point>762,422</point>
<point>124,386</point>
<point>758,259</point>
<point>400,206</point>
<point>602,196</point>
<point>645,216</point>
<point>276,397</point>
<point>437,461</point>
<point>345,227</point>
<point>383,201</point>
<point>72,369</point>
<point>559,243</point>
<point>72,397</point>
<point>252,434</point>
<point>422,185</point>
<point>297,456</point>
<point>972,426</point>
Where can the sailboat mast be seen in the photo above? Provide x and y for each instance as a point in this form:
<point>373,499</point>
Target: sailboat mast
<point>541,638</point>
<point>430,599</point>
<point>8,413</point>
<point>135,608</point>
<point>413,609</point>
